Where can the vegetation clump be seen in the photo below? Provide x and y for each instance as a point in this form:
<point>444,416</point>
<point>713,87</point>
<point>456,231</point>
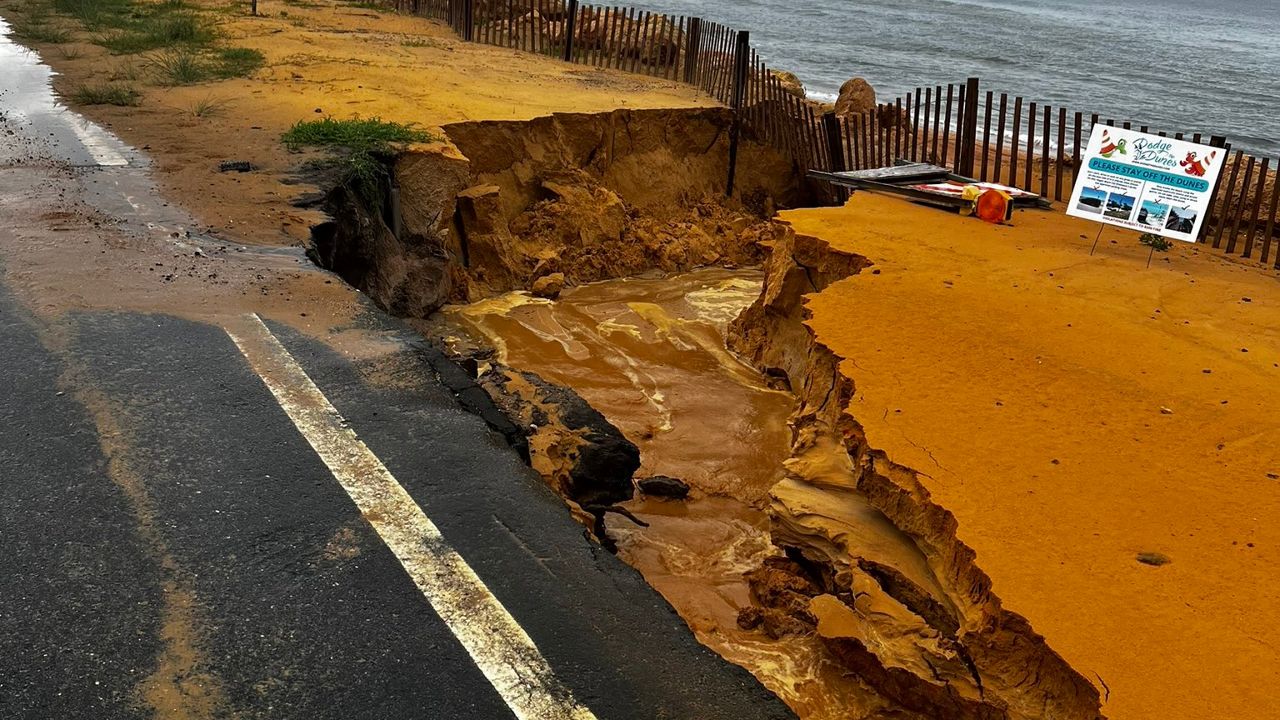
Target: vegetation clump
<point>356,146</point>
<point>106,94</point>
<point>186,66</point>
<point>1155,242</point>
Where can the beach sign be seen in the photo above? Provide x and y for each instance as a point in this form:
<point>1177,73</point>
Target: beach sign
<point>1146,182</point>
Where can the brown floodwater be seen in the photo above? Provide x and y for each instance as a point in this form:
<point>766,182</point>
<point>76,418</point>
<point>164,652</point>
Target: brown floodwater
<point>649,353</point>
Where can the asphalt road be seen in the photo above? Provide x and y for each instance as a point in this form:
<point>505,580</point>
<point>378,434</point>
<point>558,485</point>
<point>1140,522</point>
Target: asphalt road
<point>181,541</point>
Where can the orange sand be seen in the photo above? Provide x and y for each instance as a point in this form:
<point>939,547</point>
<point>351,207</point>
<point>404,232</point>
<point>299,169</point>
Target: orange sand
<point>1027,379</point>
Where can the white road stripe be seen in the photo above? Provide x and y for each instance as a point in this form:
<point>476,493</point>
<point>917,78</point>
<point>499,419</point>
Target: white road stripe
<point>499,646</point>
<point>96,142</point>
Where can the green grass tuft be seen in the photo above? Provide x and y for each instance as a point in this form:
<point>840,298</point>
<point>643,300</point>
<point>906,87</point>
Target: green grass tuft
<point>106,94</point>
<point>208,107</point>
<point>180,66</point>
<point>42,32</point>
<point>373,133</point>
<point>99,14</point>
<point>155,30</point>
<point>186,66</point>
<point>237,62</point>
<point>370,5</point>
<point>357,145</point>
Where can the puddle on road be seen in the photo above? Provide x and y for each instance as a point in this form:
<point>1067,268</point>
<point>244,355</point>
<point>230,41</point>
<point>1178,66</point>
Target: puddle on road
<point>649,353</point>
<point>38,130</point>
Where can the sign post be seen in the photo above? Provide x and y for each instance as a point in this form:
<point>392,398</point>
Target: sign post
<point>1146,182</point>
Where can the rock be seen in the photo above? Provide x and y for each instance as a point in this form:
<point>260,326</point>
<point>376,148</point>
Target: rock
<point>548,286</point>
<point>856,97</point>
<point>663,486</point>
<point>750,617</point>
<point>1154,559</point>
<point>894,651</point>
<point>790,83</point>
<point>235,166</point>
<point>583,456</point>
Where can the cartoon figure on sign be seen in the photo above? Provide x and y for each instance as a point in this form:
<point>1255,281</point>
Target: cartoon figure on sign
<point>1110,147</point>
<point>1197,167</point>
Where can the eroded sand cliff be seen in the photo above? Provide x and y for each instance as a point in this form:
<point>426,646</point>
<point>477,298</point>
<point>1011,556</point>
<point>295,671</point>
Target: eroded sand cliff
<point>1043,424</point>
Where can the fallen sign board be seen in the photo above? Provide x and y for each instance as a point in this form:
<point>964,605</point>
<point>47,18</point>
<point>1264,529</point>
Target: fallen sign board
<point>923,182</point>
<point>1146,182</point>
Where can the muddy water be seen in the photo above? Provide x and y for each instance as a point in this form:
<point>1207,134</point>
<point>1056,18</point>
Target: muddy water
<point>650,354</point>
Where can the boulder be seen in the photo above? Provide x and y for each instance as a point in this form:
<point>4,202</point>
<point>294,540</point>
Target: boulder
<point>789,82</point>
<point>856,97</point>
<point>664,486</point>
<point>548,286</point>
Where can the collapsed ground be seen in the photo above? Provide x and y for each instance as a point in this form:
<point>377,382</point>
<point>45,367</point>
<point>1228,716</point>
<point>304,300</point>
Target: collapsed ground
<point>928,431</point>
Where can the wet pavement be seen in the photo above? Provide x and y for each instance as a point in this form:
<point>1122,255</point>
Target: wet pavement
<point>194,527</point>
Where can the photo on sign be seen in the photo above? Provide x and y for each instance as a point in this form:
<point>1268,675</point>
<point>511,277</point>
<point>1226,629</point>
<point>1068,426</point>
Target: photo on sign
<point>1153,214</point>
<point>1091,200</point>
<point>1120,206</point>
<point>1181,220</point>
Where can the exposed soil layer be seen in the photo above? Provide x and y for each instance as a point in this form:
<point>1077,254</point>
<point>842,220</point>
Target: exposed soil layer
<point>581,197</point>
<point>1041,423</point>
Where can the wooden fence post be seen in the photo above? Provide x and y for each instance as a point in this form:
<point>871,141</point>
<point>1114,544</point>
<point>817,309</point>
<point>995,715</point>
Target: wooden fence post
<point>693,46</point>
<point>835,145</point>
<point>570,28</point>
<point>741,52</point>
<point>969,128</point>
<point>1217,141</point>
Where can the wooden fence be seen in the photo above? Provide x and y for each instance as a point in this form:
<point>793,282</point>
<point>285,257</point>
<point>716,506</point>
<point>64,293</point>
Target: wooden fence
<point>984,135</point>
<point>1038,148</point>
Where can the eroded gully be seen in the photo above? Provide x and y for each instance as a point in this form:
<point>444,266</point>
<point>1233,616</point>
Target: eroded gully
<point>649,353</point>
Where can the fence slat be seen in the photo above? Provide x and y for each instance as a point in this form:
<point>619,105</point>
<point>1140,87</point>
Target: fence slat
<point>1015,141</point>
<point>869,132</point>
<point>1271,220</point>
<point>937,121</point>
<point>1004,100</point>
<point>946,124</point>
<point>1238,212</point>
<point>677,40</point>
<point>597,20</point>
<point>615,37</point>
<point>1216,141</point>
<point>513,12</point>
<point>1224,214</point>
<point>1044,153</point>
<point>1031,146</point>
<point>929,133</point>
<point>915,128</point>
<point>986,135</point>
<point>877,132</point>
<point>1257,207</point>
<point>1062,149</point>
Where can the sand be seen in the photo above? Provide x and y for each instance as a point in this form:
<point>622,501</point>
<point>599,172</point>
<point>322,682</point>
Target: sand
<point>325,58</point>
<point>1074,411</point>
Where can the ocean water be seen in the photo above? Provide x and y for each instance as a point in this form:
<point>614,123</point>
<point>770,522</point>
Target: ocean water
<point>1210,66</point>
